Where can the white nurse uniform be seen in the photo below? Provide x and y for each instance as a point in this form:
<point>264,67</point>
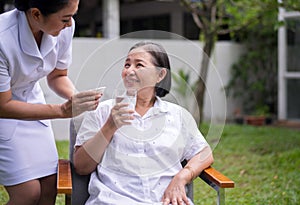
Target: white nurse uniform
<point>27,148</point>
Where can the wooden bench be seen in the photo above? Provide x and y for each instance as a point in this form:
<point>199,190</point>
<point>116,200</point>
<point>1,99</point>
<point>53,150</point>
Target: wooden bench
<point>64,180</point>
<point>211,176</point>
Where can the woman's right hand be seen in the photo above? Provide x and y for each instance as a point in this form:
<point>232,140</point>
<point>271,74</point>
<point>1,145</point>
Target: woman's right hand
<point>120,115</point>
<point>81,102</point>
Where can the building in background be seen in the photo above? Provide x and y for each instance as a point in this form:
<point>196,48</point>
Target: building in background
<point>110,19</point>
<point>289,66</point>
<point>113,18</point>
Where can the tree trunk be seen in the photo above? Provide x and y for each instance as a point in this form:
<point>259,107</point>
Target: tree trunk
<point>201,83</point>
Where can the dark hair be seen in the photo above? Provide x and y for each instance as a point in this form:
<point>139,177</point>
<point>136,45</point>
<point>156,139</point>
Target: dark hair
<point>46,7</point>
<point>159,59</point>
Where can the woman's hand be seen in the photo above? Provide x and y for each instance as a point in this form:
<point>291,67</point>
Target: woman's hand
<point>120,115</point>
<point>81,102</point>
<point>175,193</point>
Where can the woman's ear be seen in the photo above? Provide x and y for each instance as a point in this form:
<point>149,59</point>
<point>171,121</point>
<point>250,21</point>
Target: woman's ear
<point>35,13</point>
<point>162,74</point>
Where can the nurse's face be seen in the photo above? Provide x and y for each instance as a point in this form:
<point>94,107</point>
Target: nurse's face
<point>56,22</point>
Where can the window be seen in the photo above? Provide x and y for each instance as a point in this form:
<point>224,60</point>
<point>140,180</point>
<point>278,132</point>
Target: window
<point>293,99</point>
<point>160,22</point>
<point>293,44</point>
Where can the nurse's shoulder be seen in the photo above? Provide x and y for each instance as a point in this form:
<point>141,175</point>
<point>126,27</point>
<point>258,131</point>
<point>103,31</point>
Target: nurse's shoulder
<point>8,20</point>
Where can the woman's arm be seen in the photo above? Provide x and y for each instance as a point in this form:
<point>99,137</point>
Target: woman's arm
<point>79,103</point>
<point>21,110</point>
<point>175,192</point>
<point>198,163</point>
<point>87,156</point>
<point>60,83</point>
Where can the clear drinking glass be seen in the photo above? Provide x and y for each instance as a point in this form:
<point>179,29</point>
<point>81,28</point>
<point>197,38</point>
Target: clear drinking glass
<point>126,96</point>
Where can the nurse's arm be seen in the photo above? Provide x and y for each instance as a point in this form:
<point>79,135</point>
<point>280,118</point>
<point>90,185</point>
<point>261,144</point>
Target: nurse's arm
<point>60,83</point>
<point>26,111</point>
<point>83,101</point>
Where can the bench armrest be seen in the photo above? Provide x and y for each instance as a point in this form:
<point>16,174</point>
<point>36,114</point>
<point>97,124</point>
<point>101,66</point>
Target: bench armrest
<point>64,179</point>
<point>209,175</point>
<point>214,178</point>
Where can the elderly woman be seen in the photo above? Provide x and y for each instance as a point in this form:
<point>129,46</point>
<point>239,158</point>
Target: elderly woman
<point>135,155</point>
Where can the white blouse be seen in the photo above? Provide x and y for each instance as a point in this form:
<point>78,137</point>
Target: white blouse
<point>142,158</point>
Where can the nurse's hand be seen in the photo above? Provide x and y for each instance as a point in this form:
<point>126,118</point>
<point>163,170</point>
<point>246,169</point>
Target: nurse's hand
<point>81,102</point>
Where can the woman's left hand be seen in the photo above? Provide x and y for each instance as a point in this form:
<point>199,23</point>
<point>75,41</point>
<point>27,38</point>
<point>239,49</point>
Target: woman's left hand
<point>175,193</point>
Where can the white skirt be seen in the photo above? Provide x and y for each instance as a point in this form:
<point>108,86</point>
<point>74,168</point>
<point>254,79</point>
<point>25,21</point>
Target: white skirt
<point>27,151</point>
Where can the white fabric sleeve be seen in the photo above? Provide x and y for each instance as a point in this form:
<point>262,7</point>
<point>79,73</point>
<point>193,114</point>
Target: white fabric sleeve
<point>92,122</point>
<point>4,74</point>
<point>195,142</point>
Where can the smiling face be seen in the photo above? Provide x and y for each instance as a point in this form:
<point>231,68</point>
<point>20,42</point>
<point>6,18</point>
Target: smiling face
<point>53,24</point>
<point>140,73</point>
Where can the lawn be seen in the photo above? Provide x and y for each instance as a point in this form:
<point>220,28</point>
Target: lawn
<point>264,162</point>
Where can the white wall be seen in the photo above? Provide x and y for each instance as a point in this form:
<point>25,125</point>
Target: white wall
<point>98,62</point>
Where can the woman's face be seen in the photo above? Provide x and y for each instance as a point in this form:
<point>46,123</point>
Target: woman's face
<point>56,22</point>
<point>139,72</point>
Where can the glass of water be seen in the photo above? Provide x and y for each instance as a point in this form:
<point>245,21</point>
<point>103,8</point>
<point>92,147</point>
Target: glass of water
<point>126,96</point>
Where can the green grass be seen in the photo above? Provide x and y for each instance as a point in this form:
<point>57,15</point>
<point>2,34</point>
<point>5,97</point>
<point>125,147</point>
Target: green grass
<point>264,162</point>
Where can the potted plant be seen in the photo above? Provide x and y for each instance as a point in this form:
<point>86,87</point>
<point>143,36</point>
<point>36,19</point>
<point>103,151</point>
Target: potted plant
<point>259,117</point>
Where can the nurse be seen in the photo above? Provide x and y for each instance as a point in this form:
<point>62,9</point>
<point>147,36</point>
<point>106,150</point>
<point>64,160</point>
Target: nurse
<point>35,41</point>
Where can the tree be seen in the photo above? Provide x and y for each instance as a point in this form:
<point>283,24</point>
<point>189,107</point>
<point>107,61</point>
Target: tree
<point>219,17</point>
